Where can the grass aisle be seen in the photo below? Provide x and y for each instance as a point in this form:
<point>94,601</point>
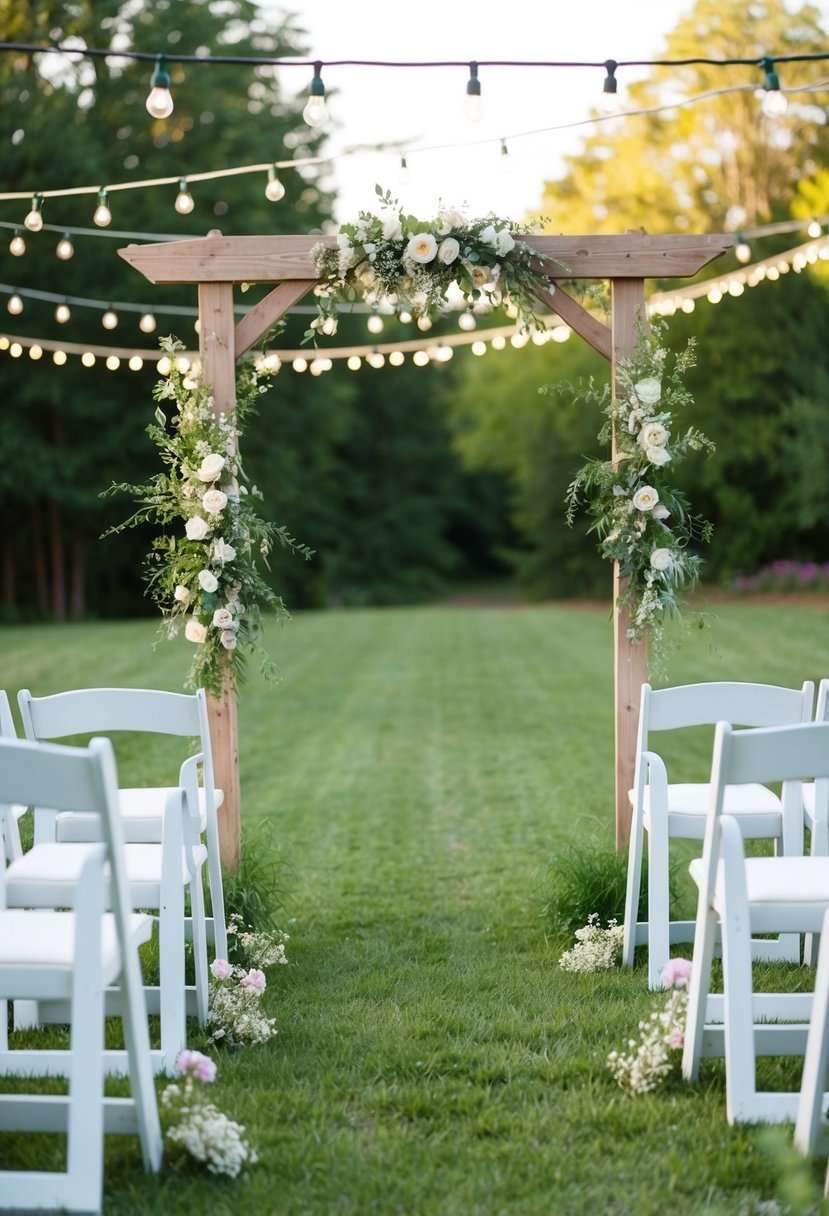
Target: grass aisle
<point>416,772</point>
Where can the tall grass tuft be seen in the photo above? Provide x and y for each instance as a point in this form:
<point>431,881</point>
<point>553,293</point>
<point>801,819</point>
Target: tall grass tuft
<point>587,877</point>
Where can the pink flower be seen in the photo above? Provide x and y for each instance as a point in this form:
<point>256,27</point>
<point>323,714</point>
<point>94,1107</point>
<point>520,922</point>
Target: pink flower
<point>255,980</point>
<point>677,971</point>
<point>202,1067</point>
<point>676,1040</point>
<point>221,969</point>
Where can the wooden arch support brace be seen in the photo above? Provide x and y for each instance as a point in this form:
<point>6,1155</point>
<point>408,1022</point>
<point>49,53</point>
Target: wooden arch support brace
<point>264,315</point>
<point>578,318</point>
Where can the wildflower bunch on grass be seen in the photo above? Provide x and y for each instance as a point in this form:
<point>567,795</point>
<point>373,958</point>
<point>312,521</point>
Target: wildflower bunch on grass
<point>596,949</point>
<point>258,948</point>
<point>234,1010</point>
<point>661,1036</point>
<point>197,1125</point>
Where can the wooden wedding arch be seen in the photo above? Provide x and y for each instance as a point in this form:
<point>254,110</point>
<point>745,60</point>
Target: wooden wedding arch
<point>217,263</point>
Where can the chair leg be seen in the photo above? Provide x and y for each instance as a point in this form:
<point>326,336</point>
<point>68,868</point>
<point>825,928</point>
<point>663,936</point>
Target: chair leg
<point>634,880</point>
<point>658,900</point>
<point>738,1011</point>
<point>199,930</point>
<point>813,1085</point>
<point>699,987</point>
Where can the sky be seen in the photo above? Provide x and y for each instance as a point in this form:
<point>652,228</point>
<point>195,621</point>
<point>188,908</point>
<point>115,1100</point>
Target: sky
<point>453,161</point>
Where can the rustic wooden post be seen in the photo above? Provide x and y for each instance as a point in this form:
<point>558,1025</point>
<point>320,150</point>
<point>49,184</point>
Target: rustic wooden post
<point>215,263</point>
<point>630,660</point>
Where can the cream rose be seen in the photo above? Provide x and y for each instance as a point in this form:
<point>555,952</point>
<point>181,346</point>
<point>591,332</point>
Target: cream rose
<point>208,581</point>
<point>660,511</point>
<point>392,228</point>
<point>214,502</point>
<point>648,390</point>
<point>422,247</point>
<point>222,618</point>
<point>645,498</point>
<point>653,434</point>
<point>210,467</point>
<point>197,528</point>
<point>222,551</point>
<point>194,631</point>
<point>661,559</point>
<point>448,250</point>
<point>657,456</point>
<point>182,594</point>
<point>228,639</point>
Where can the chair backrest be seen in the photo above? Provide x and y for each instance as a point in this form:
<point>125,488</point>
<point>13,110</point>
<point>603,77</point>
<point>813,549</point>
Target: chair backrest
<point>788,754</point>
<point>822,705</point>
<point>8,819</point>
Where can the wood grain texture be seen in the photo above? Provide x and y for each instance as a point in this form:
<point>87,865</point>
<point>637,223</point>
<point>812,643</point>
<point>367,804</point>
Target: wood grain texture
<point>579,319</point>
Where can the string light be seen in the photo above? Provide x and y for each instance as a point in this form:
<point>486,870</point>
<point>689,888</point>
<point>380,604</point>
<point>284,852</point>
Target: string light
<point>354,363</point>
<point>147,323</point>
<point>504,162</point>
<point>397,358</point>
<point>742,249</point>
<point>64,248</point>
<point>160,100</point>
<point>34,220</point>
<point>316,111</point>
<point>59,357</point>
<point>62,313</point>
<point>404,175</point>
<point>274,190</point>
<point>774,101</point>
<point>814,230</point>
<point>184,199</point>
<point>103,216</point>
<point>420,358</point>
<point>110,319</point>
<point>473,106</point>
<point>478,348</point>
<point>466,321</point>
<point>136,363</point>
<point>88,359</point>
<point>610,96</point>
<point>35,352</point>
<point>375,324</point>
<point>15,305</point>
<point>17,245</point>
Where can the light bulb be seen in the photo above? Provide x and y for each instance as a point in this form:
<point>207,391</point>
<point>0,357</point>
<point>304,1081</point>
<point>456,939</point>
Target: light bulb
<point>113,363</point>
<point>109,320</point>
<point>354,363</point>
<point>35,352</point>
<point>274,191</point>
<point>316,111</point>
<point>299,364</point>
<point>88,359</point>
<point>742,250</point>
<point>147,323</point>
<point>397,358</point>
<point>64,248</point>
<point>375,359</point>
<point>424,323</point>
<point>184,199</point>
<point>17,245</point>
<point>103,215</point>
<point>610,95</point>
<point>814,230</point>
<point>374,324</point>
<point>160,100</point>
<point>404,176</point>
<point>136,363</point>
<point>774,102</point>
<point>59,358</point>
<point>420,358</point>
<point>466,321</point>
<point>34,220</point>
<point>504,162</point>
<point>62,313</point>
<point>15,305</point>
<point>473,108</point>
<point>478,348</point>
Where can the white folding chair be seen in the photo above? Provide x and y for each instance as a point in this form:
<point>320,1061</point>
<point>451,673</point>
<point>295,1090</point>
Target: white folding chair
<point>815,820</point>
<point>811,1130</point>
<point>88,711</point>
<point>741,896</point>
<point>159,874</point>
<point>10,813</point>
<point>665,810</point>
<point>73,956</point>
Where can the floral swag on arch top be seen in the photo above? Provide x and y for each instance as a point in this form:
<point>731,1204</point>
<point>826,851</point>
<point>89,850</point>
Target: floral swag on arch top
<point>410,266</point>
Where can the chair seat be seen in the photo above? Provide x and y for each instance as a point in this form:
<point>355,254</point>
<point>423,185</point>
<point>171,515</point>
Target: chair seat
<point>142,811</point>
<point>776,880</point>
<point>32,941</point>
<point>752,804</point>
<point>33,878</point>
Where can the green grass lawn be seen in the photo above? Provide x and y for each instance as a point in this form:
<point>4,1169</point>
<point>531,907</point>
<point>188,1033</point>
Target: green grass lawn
<point>413,777</point>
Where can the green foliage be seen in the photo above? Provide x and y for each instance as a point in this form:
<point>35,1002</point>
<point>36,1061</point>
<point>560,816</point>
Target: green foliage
<point>587,877</point>
<point>202,571</point>
<point>258,891</point>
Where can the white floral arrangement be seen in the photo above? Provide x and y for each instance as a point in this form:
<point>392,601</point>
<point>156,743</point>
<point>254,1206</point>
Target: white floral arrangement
<point>197,1125</point>
<point>202,571</point>
<point>647,1063</point>
<point>234,1009</point>
<point>407,265</point>
<point>642,519</point>
<point>596,948</point>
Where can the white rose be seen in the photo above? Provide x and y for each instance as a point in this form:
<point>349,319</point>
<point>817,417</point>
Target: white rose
<point>489,236</point>
<point>214,502</point>
<point>422,247</point>
<point>645,498</point>
<point>197,528</point>
<point>448,250</point>
<point>660,511</point>
<point>181,594</point>
<point>648,390</point>
<point>503,241</point>
<point>657,456</point>
<point>210,467</point>
<point>208,581</point>
<point>194,631</point>
<point>662,559</point>
<point>222,618</point>
<point>228,639</point>
<point>653,434</point>
<point>392,228</point>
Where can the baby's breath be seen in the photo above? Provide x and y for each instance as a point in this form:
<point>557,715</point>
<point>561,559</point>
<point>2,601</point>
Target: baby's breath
<point>649,1061</point>
<point>596,949</point>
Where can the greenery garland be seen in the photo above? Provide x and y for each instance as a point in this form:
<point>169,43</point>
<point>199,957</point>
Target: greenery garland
<point>643,521</point>
<point>407,265</point>
<point>202,570</point>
